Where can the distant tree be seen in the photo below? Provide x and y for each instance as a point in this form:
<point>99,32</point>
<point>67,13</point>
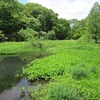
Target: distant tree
<point>46,17</point>
<point>51,35</point>
<point>27,34</point>
<point>35,24</point>
<point>93,21</point>
<point>41,18</point>
<point>62,29</point>
<point>73,22</point>
<point>78,28</point>
<point>9,20</point>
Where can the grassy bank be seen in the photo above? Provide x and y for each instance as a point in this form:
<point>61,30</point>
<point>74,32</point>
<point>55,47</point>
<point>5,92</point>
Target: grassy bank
<point>73,71</point>
<point>52,46</point>
<point>7,48</point>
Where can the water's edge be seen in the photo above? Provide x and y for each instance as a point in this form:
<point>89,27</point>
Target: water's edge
<point>10,86</point>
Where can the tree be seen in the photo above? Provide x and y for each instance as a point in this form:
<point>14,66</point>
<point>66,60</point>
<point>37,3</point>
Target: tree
<point>62,29</point>
<point>27,34</point>
<point>78,28</point>
<point>73,22</point>
<point>46,17</point>
<point>35,24</point>
<point>93,21</point>
<point>51,35</point>
<point>10,22</point>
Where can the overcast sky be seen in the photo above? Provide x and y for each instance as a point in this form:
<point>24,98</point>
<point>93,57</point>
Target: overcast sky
<point>68,9</point>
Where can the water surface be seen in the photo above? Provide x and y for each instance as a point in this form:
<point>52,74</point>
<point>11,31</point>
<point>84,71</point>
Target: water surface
<point>9,84</point>
<point>9,67</point>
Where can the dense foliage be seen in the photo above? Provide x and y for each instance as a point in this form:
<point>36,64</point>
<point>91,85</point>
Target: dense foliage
<point>9,19</point>
<point>78,28</point>
<point>88,25</point>
<point>93,22</point>
<point>16,19</point>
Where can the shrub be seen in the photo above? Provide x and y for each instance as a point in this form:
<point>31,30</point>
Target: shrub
<point>86,38</point>
<point>51,35</point>
<point>27,35</point>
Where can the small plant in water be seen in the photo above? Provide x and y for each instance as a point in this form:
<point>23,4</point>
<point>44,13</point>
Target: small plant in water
<point>22,89</point>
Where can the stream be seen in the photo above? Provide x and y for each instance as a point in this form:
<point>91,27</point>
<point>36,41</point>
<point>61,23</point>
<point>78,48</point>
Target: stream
<point>10,85</point>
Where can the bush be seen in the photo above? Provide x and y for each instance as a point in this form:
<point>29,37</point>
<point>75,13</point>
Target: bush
<point>27,35</point>
<point>94,70</point>
<point>86,38</point>
<point>51,35</point>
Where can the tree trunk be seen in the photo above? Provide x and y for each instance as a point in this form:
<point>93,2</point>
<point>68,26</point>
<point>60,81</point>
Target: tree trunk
<point>95,39</point>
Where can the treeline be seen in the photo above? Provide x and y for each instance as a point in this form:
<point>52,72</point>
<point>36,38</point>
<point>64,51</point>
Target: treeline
<point>20,22</point>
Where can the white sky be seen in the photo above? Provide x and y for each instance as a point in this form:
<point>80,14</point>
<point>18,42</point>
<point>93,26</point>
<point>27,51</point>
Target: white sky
<point>68,9</point>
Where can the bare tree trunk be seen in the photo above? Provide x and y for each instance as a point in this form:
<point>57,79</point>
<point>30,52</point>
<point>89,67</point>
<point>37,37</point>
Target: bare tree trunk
<point>95,39</point>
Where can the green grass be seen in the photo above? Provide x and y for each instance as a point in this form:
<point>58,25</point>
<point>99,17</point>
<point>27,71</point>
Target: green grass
<point>7,48</point>
<point>70,61</point>
<point>73,68</point>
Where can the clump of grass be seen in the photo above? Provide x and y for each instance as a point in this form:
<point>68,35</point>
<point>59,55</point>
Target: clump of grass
<point>94,70</point>
<point>79,73</point>
<point>61,92</point>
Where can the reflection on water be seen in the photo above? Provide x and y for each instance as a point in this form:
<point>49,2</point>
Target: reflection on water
<point>14,93</point>
<point>9,84</point>
<point>9,67</point>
